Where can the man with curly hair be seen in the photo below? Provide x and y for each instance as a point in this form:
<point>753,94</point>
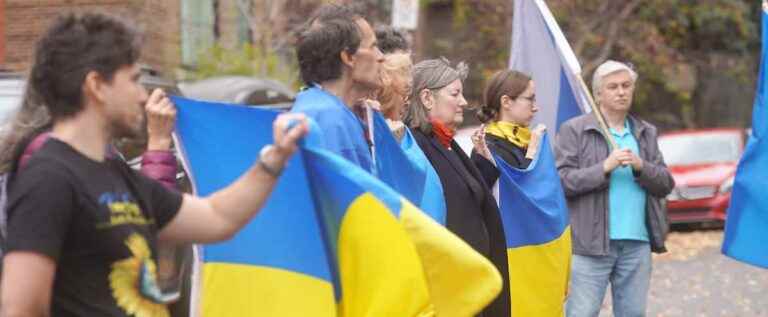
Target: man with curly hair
<point>83,227</point>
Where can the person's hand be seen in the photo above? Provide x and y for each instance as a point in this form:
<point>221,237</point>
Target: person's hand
<point>618,157</point>
<point>635,161</point>
<point>533,146</point>
<point>161,118</point>
<point>538,132</point>
<point>480,146</point>
<point>285,138</point>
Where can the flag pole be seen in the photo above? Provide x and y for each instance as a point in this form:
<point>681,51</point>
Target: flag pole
<point>596,112</point>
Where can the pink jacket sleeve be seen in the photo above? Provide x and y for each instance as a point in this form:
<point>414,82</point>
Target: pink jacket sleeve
<point>157,165</point>
<point>160,166</point>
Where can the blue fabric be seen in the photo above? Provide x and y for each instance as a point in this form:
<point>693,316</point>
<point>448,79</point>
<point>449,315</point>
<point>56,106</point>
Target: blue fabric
<point>531,201</point>
<point>626,199</point>
<point>392,165</point>
<point>432,199</point>
<point>745,235</point>
<point>342,131</point>
<point>216,151</point>
<point>627,267</point>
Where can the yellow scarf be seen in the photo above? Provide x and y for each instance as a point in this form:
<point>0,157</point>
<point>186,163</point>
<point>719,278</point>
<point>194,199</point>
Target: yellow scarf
<point>512,132</point>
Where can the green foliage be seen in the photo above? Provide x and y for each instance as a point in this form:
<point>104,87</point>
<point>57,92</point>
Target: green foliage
<point>247,60</point>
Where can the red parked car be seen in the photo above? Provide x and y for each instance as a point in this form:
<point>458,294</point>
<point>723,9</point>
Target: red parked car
<point>703,164</point>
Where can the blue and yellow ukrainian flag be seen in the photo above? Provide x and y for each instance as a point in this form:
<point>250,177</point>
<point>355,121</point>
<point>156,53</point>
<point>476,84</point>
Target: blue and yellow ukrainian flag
<point>277,265</point>
<point>536,224</point>
<point>332,240</point>
<point>392,259</point>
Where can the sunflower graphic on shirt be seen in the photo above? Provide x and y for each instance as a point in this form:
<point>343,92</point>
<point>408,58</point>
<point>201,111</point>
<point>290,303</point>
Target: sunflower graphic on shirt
<point>134,281</point>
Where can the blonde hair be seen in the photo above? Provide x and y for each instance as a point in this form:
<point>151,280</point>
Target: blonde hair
<point>395,66</point>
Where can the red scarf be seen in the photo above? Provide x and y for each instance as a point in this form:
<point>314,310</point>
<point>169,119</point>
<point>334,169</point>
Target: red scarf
<point>443,133</point>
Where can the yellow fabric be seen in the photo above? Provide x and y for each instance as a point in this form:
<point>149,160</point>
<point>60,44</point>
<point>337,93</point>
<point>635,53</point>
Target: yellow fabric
<point>378,264</point>
<point>538,277</point>
<point>412,261</point>
<point>460,280</point>
<point>277,292</point>
<point>517,134</point>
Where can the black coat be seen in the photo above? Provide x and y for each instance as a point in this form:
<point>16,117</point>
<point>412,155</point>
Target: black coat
<point>513,155</point>
<point>472,212</point>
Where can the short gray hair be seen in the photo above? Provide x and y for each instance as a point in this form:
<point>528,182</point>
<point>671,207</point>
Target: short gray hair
<point>432,74</point>
<point>607,68</point>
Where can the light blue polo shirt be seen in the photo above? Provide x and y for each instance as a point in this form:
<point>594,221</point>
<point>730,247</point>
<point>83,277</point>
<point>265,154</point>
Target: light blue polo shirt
<point>626,199</point>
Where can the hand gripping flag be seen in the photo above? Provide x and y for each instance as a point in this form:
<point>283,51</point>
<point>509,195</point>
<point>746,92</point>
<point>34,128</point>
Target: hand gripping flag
<point>746,238</point>
<point>536,224</point>
<point>332,240</point>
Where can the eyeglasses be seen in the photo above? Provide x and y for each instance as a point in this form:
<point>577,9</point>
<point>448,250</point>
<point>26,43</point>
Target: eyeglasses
<point>532,98</point>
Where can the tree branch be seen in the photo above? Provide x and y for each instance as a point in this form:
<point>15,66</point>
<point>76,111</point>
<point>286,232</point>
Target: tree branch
<point>589,28</point>
<point>612,36</point>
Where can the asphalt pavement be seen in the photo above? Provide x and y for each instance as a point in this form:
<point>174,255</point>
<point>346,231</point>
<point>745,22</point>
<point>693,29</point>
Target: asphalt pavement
<point>695,279</point>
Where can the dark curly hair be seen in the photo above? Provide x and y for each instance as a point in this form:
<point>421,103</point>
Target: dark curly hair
<point>332,30</point>
<point>75,45</point>
<point>510,83</point>
<point>390,39</point>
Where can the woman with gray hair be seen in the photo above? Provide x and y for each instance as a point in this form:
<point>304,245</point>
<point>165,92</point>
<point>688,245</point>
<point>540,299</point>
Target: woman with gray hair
<point>436,109</point>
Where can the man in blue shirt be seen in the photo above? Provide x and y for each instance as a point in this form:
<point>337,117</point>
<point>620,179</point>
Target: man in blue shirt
<point>614,197</point>
<point>339,61</point>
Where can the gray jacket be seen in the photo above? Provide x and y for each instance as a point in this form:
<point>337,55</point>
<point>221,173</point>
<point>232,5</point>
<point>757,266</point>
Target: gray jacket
<point>580,151</point>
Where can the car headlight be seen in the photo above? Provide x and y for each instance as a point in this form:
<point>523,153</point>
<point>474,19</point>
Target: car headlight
<point>727,186</point>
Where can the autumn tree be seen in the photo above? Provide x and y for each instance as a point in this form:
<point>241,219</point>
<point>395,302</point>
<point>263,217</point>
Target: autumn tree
<point>696,59</point>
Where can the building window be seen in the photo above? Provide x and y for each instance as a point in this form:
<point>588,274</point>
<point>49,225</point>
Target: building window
<point>198,29</point>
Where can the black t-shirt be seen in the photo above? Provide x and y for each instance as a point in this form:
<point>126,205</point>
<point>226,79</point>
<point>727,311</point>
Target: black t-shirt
<point>99,222</point>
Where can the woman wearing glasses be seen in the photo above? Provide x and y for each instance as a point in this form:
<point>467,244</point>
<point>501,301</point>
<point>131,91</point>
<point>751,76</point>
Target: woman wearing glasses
<point>508,108</point>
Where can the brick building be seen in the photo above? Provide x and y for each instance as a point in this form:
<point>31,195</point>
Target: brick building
<point>2,32</point>
<point>175,31</point>
<point>26,20</point>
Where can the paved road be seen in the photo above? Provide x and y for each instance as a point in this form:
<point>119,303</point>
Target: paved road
<point>695,279</point>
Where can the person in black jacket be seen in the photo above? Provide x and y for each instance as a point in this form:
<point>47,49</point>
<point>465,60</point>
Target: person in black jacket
<point>435,111</point>
<point>508,108</point>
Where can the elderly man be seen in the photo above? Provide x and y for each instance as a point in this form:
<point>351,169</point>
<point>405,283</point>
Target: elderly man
<point>339,61</point>
<point>615,198</point>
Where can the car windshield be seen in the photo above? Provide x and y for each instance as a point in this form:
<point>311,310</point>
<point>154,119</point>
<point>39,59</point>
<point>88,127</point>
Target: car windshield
<point>700,148</point>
